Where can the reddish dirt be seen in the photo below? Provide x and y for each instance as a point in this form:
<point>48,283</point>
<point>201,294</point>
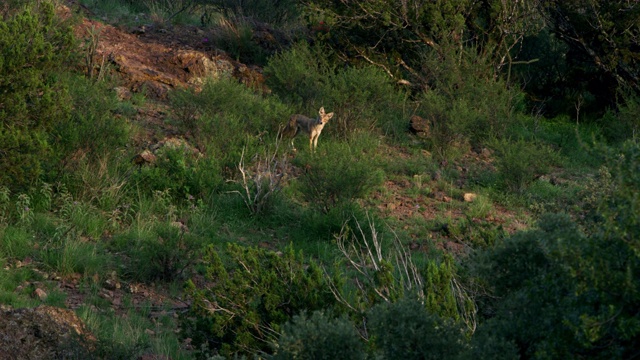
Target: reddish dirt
<point>156,60</point>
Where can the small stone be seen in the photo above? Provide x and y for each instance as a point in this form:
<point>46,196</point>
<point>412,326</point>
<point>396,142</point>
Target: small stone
<point>470,197</point>
<point>41,294</point>
<point>112,284</point>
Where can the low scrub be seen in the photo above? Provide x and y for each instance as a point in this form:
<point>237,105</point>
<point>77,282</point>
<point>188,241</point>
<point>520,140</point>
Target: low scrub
<point>519,163</point>
<point>337,174</point>
<point>252,293</point>
<point>163,252</point>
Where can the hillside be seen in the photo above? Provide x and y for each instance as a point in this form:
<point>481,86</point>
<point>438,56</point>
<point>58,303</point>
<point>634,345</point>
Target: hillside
<point>152,208</point>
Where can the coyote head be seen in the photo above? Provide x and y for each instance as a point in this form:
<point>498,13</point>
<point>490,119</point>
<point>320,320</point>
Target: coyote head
<point>324,117</point>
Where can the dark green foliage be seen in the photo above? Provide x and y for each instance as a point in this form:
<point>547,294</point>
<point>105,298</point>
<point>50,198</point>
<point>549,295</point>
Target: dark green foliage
<point>319,337</point>
<point>535,291</point>
<point>440,297</point>
<point>485,344</point>
<point>607,48</point>
<point>405,330</point>
<point>562,293</point>
<point>251,292</point>
<point>626,124</point>
<point>236,36</point>
<point>467,103</point>
<point>389,34</point>
<point>300,74</point>
<point>34,46</point>
<point>365,99</point>
<point>337,174</point>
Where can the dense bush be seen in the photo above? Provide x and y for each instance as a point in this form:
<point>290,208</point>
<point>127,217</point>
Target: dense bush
<point>252,292</point>
<point>626,124</point>
<point>337,174</point>
<point>466,103</point>
<point>180,170</point>
<point>318,336</point>
<point>162,252</point>
<point>405,330</point>
<point>567,291</point>
<point>276,12</point>
<point>299,75</point>
<point>93,129</point>
<point>519,163</point>
<point>34,47</point>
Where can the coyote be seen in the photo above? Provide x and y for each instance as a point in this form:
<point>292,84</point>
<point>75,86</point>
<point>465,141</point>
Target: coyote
<point>313,127</point>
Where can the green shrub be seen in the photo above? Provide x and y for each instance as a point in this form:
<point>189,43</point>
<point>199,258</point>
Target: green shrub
<point>162,252</point>
<point>277,12</point>
<point>250,295</point>
<point>15,243</point>
<point>466,101</point>
<point>235,35</point>
<point>625,124</point>
<point>337,174</point>
<point>319,337</point>
<point>365,99</point>
<point>300,74</point>
<point>5,200</point>
<point>73,254</point>
<point>181,171</point>
<point>116,11</point>
<point>33,48</point>
<point>486,344</point>
<point>566,290</point>
<point>405,330</point>
<point>519,163</point>
<point>92,129</point>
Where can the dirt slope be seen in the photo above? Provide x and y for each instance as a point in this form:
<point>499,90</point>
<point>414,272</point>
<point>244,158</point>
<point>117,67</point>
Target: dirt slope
<point>157,59</point>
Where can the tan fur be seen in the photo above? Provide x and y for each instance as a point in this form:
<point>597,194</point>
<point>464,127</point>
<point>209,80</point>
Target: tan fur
<point>313,127</point>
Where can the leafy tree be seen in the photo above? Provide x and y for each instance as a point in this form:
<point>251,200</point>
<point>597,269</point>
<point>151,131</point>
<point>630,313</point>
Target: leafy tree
<point>394,36</point>
<point>604,33</point>
<point>34,46</point>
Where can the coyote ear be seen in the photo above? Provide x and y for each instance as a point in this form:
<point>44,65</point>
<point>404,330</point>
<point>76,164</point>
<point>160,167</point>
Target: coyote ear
<point>329,115</point>
<point>321,111</point>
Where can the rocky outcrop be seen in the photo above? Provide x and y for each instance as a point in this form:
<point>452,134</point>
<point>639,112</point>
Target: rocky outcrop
<point>153,62</point>
<point>44,332</point>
